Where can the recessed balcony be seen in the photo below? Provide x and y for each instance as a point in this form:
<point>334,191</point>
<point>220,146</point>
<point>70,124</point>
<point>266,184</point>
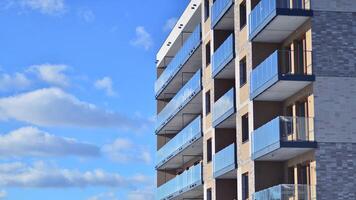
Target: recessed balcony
<point>224,111</point>
<point>182,109</point>
<point>225,163</point>
<point>181,68</point>
<point>223,62</point>
<point>281,75</point>
<point>283,138</point>
<point>286,192</point>
<point>222,15</point>
<point>188,185</point>
<point>186,142</point>
<point>274,20</point>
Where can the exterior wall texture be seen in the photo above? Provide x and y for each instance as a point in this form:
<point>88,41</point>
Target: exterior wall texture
<point>334,64</point>
<point>334,43</point>
<point>335,168</point>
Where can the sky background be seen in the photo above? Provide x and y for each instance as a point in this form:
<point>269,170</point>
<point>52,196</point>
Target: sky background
<point>76,97</point>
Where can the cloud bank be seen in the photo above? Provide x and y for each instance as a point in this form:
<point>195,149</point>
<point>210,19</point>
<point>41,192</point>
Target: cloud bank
<point>30,141</point>
<point>53,107</point>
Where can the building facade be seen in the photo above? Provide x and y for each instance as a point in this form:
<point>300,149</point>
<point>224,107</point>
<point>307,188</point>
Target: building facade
<point>256,99</point>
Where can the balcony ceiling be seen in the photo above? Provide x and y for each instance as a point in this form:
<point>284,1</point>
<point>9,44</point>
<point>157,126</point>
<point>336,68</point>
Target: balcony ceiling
<point>283,154</point>
<point>195,193</point>
<point>281,90</point>
<point>280,28</point>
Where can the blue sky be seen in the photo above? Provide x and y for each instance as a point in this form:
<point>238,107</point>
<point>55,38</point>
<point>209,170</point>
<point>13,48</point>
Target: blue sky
<point>76,97</point>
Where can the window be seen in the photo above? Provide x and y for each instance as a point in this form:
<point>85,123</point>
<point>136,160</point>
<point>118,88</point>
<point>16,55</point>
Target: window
<point>207,9</point>
<point>245,192</point>
<point>209,151</point>
<point>243,72</point>
<point>207,103</point>
<point>208,194</point>
<point>207,54</point>
<point>244,128</point>
<point>242,14</point>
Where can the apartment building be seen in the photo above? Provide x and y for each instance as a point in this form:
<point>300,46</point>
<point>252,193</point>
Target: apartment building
<point>256,99</point>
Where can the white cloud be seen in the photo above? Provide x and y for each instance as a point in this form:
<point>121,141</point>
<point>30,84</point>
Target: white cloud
<point>125,151</point>
<point>105,84</point>
<point>49,7</point>
<point>170,23</point>
<point>30,141</point>
<point>42,175</point>
<point>86,14</point>
<point>3,194</point>
<point>143,38</point>
<point>54,107</point>
<point>14,82</point>
<point>141,194</point>
<point>104,196</point>
<point>52,74</point>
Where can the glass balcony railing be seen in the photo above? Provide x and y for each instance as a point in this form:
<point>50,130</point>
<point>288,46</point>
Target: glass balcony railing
<point>287,192</point>
<point>224,160</point>
<point>218,10</point>
<point>187,50</point>
<point>191,132</point>
<point>223,106</point>
<point>189,90</point>
<point>223,55</point>
<point>280,62</point>
<point>282,129</point>
<point>181,183</point>
<point>265,10</point>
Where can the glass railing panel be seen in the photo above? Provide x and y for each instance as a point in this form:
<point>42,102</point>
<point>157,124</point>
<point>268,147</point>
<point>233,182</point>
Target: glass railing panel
<point>224,104</point>
<point>266,135</point>
<point>189,177</point>
<point>223,55</point>
<point>179,60</point>
<point>224,158</point>
<point>218,10</point>
<point>264,72</point>
<point>287,192</point>
<point>191,131</point>
<point>281,62</point>
<point>285,129</point>
<point>265,8</point>
<point>294,129</point>
<point>180,99</point>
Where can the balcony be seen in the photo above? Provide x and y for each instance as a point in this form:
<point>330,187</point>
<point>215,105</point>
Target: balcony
<point>223,62</point>
<point>187,185</point>
<point>187,100</point>
<point>281,75</point>
<point>186,62</point>
<point>287,192</point>
<point>224,111</point>
<point>186,142</point>
<point>283,138</point>
<point>274,20</point>
<point>225,163</point>
<point>222,15</point>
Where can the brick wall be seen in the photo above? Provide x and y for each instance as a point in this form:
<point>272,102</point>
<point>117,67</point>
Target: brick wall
<point>334,43</point>
<point>336,171</point>
<point>334,64</point>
